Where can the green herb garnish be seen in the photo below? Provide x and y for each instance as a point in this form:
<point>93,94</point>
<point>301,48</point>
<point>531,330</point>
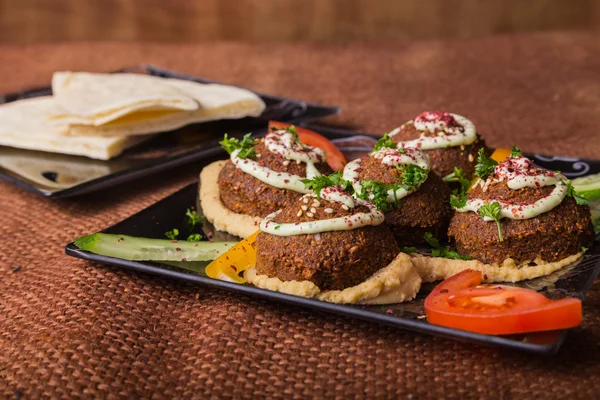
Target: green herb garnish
<point>485,165</point>
<point>320,182</point>
<point>412,175</point>
<point>459,176</point>
<point>408,250</point>
<point>172,234</point>
<point>194,237</point>
<point>193,218</point>
<point>515,153</point>
<point>246,145</point>
<point>458,199</point>
<point>441,251</point>
<point>572,193</point>
<point>385,141</point>
<point>492,211</point>
<point>377,193</point>
<point>584,249</point>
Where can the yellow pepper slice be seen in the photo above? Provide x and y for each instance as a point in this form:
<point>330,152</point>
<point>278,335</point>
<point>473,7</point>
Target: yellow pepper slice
<point>501,155</point>
<point>239,258</point>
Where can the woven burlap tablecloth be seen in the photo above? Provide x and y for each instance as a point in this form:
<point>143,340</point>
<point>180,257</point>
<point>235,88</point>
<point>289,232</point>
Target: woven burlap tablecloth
<point>70,328</point>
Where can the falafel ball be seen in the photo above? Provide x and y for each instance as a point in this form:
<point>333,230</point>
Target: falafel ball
<point>244,194</point>
<point>553,235</point>
<point>332,260</point>
<point>444,160</point>
<point>425,210</point>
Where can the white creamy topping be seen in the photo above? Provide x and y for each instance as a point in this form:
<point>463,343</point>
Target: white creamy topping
<point>391,157</point>
<point>453,130</point>
<point>520,173</point>
<point>354,221</point>
<point>283,143</point>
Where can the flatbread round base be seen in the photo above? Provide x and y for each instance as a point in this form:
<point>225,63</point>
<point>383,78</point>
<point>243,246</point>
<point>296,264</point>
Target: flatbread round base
<point>395,283</point>
<point>214,210</point>
<point>433,269</point>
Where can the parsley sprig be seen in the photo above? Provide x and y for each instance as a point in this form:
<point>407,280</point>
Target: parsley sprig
<point>320,182</point>
<point>492,210</point>
<point>385,141</point>
<point>485,165</point>
<point>572,193</point>
<point>377,193</point>
<point>459,176</point>
<point>246,145</point>
<point>441,251</point>
<point>412,175</point>
<point>458,199</point>
<point>193,218</point>
<point>515,152</point>
<point>172,234</point>
<point>194,237</point>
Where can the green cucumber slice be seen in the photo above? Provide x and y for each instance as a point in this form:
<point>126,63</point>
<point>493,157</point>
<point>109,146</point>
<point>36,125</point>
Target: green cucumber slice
<point>144,249</point>
<point>588,187</point>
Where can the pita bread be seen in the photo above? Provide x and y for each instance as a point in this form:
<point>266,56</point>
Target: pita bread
<point>96,99</point>
<point>216,102</point>
<point>23,125</point>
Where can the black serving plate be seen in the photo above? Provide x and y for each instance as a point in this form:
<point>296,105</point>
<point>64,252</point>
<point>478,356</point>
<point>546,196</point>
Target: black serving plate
<point>58,175</point>
<point>168,213</point>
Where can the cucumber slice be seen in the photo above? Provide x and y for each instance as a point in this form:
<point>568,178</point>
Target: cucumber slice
<point>588,187</point>
<point>143,249</point>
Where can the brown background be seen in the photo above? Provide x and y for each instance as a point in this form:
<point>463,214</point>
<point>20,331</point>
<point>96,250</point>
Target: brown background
<point>24,21</point>
<point>70,328</point>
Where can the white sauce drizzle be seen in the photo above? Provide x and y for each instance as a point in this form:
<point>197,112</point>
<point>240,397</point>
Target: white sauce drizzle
<point>461,132</point>
<point>520,173</point>
<point>283,143</point>
<point>354,221</point>
<point>391,157</point>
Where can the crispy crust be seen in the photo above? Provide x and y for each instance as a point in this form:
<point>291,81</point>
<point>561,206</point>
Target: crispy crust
<point>214,210</point>
<point>426,210</point>
<point>444,160</point>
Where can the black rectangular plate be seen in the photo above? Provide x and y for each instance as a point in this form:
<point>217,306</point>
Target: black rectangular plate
<point>58,175</point>
<point>168,214</point>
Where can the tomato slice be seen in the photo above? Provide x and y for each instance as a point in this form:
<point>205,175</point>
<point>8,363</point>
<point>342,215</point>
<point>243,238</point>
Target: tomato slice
<point>462,302</point>
<point>227,266</point>
<point>335,157</point>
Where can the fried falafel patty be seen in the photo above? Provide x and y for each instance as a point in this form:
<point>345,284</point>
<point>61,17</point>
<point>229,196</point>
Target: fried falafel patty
<point>425,210</point>
<point>245,194</point>
<point>551,236</point>
<point>443,161</point>
<point>332,260</point>
<point>444,158</point>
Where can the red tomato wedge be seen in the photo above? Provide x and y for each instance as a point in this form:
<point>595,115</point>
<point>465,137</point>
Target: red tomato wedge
<point>335,157</point>
<point>461,302</point>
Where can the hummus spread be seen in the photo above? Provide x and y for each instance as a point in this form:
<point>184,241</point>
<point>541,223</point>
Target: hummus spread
<point>394,283</point>
<point>214,210</point>
<point>433,269</point>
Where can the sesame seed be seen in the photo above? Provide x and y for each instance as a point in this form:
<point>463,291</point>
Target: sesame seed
<point>304,208</point>
<point>305,200</point>
<point>316,203</point>
<point>299,213</point>
<point>471,158</point>
<point>462,147</point>
<point>313,210</point>
<point>328,210</point>
<point>345,207</point>
<point>310,215</point>
<point>286,162</point>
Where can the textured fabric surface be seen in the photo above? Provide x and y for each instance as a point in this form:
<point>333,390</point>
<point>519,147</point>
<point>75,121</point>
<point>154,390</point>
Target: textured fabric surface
<point>70,328</point>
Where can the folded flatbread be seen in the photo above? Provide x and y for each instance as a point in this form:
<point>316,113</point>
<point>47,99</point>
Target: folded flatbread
<point>23,124</point>
<point>215,101</point>
<point>96,99</point>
